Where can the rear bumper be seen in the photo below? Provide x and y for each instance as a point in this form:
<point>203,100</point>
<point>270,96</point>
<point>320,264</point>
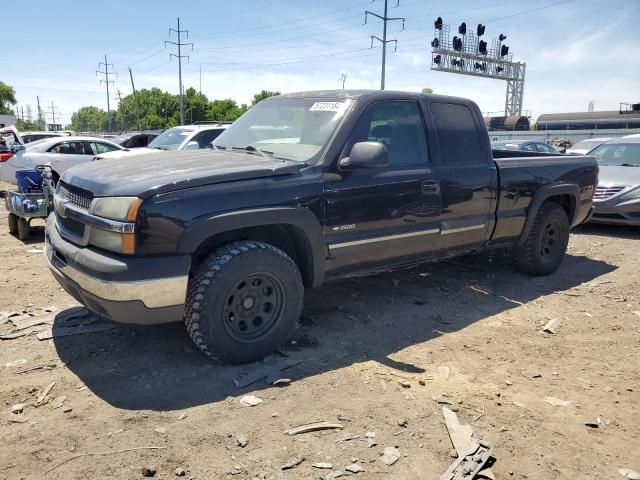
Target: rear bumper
<point>139,290</point>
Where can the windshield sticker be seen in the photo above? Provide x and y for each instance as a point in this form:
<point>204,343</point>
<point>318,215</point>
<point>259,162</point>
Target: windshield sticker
<point>327,107</point>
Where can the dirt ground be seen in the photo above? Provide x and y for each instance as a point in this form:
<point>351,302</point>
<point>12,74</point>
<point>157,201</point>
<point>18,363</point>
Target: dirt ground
<point>470,330</point>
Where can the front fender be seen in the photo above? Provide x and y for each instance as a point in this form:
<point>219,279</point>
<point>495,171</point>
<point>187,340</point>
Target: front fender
<point>201,229</point>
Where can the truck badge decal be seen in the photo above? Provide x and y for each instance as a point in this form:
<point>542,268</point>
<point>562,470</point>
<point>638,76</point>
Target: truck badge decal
<point>342,228</point>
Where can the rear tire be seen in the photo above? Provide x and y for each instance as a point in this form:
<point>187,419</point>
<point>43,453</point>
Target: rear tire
<point>544,248</point>
<point>24,230</point>
<point>243,301</point>
<point>13,223</point>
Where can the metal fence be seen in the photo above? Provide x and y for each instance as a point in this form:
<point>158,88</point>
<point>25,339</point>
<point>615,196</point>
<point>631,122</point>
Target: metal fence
<point>571,135</point>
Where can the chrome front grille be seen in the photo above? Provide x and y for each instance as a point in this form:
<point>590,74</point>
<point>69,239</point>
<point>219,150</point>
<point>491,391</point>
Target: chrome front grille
<point>77,197</point>
<point>603,193</point>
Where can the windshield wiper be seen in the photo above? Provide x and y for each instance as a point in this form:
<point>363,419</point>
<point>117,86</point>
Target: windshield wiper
<point>628,165</point>
<point>159,147</point>
<point>252,149</point>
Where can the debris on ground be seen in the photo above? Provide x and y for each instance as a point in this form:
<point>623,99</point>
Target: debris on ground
<point>333,475</point>
<point>459,434</point>
<point>629,474</point>
<point>281,382</point>
<point>271,373</point>
<point>313,427</point>
<point>58,402</point>
<point>354,468</point>
<point>557,402</point>
<point>294,462</point>
<point>551,326</point>
<point>404,383</point>
<point>241,441</point>
<point>180,472</point>
<point>15,363</point>
<point>43,396</point>
<point>250,401</point>
<point>148,471</point>
<point>18,407</point>
<point>371,439</point>
<point>323,465</point>
<point>443,371</point>
<point>390,455</point>
<point>470,464</point>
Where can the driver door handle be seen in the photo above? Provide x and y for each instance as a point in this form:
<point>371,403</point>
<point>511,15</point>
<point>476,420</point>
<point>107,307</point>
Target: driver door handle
<point>430,187</point>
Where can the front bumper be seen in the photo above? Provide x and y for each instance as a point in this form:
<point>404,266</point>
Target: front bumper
<point>616,211</point>
<point>139,290</point>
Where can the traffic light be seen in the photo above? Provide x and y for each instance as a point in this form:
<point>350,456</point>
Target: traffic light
<point>438,23</point>
<point>504,51</point>
<point>435,43</point>
<point>462,29</point>
<point>482,47</point>
<point>437,59</point>
<point>457,44</point>
<point>480,30</point>
<point>502,37</point>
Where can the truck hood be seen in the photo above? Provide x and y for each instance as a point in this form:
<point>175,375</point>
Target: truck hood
<point>610,176</point>
<point>160,172</point>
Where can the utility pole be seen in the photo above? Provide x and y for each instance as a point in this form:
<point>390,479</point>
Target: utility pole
<point>135,98</point>
<point>343,78</point>
<point>120,108</point>
<point>53,113</point>
<point>41,124</point>
<point>179,44</point>
<point>200,89</point>
<point>106,80</point>
<point>384,40</point>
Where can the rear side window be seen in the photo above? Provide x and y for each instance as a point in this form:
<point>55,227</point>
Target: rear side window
<point>458,135</point>
<point>205,138</point>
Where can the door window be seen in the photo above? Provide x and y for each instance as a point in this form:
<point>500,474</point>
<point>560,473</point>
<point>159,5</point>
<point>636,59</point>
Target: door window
<point>398,125</point>
<point>544,148</point>
<point>529,147</point>
<point>458,135</point>
<point>71,148</point>
<point>99,148</point>
<point>205,138</point>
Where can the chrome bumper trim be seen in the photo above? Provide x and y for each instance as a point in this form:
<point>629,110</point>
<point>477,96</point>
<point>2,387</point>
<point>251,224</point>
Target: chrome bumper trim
<point>154,293</point>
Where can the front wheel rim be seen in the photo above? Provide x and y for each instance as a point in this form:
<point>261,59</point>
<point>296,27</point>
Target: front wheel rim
<point>253,307</point>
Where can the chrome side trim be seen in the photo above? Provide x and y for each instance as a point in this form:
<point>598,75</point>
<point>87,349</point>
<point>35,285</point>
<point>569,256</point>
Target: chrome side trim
<point>154,293</point>
<point>463,229</point>
<point>383,239</point>
<point>65,209</point>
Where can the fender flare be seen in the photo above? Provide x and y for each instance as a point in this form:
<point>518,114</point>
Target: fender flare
<point>541,196</point>
<point>302,219</point>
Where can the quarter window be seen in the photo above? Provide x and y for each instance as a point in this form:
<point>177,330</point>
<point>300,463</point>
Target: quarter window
<point>458,135</point>
<point>71,148</point>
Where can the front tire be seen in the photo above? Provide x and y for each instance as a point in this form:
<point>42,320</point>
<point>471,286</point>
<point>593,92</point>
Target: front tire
<point>13,223</point>
<point>243,301</point>
<point>24,230</point>
<point>544,248</point>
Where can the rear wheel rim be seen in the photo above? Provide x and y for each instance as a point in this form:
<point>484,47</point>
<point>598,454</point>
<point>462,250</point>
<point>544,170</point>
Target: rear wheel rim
<point>551,241</point>
<point>253,307</point>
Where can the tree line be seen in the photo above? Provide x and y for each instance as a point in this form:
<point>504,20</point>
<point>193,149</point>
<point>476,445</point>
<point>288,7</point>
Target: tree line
<point>159,110</point>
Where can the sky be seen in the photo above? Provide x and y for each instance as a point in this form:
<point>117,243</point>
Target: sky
<point>576,51</point>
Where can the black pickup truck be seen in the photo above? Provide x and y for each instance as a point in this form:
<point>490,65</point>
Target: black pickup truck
<point>302,189</point>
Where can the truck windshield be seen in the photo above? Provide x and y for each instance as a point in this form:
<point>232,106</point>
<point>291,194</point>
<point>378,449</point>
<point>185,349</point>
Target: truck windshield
<point>171,139</point>
<point>618,154</point>
<point>289,128</point>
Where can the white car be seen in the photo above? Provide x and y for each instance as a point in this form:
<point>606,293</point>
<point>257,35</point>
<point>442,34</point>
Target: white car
<point>187,137</point>
<point>585,146</point>
<point>61,153</point>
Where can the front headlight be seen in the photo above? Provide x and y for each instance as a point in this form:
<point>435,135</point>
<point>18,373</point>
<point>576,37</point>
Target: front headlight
<point>124,209</point>
<point>633,194</point>
<point>113,241</point>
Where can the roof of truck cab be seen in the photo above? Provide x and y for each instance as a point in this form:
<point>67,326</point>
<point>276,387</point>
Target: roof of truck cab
<point>374,94</point>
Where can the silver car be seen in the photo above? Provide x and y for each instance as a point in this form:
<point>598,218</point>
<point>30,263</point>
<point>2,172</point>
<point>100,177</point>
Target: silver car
<point>617,197</point>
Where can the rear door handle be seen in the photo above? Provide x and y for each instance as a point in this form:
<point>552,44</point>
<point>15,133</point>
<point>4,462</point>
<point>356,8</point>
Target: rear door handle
<point>430,187</point>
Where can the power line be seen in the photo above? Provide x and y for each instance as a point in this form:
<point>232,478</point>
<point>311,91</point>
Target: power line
<point>385,19</point>
<point>179,44</point>
<point>106,80</point>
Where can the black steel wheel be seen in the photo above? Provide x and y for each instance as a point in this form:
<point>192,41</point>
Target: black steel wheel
<point>243,301</point>
<point>543,250</point>
<point>253,306</point>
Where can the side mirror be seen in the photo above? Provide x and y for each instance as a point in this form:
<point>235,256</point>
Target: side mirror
<point>366,155</point>
<point>192,146</point>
